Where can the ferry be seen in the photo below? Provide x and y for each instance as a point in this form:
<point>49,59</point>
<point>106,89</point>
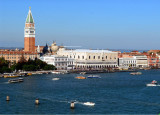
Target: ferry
<point>153,83</point>
<point>15,80</point>
<point>80,77</point>
<point>20,79</point>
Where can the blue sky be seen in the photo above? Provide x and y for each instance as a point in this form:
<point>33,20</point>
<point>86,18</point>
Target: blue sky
<point>102,24</point>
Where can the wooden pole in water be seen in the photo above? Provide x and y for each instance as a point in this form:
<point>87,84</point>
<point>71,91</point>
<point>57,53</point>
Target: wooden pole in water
<point>72,105</point>
<point>7,98</point>
<point>37,101</point>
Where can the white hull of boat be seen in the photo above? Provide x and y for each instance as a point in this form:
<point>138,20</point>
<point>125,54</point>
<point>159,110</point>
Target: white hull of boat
<point>55,79</point>
<point>89,103</point>
<point>152,85</point>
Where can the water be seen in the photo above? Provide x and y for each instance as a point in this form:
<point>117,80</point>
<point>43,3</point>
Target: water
<point>113,93</point>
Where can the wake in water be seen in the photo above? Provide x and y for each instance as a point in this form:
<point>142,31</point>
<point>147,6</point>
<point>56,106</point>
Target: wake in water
<point>4,83</point>
<point>75,101</point>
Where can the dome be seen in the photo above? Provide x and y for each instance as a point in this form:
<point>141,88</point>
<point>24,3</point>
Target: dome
<point>54,47</point>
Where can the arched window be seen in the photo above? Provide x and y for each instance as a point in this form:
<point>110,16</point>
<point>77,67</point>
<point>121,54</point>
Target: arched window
<point>89,57</point>
<point>94,57</point>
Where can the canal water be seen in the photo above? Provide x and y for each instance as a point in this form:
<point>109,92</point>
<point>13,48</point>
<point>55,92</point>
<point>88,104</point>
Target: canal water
<point>113,93</point>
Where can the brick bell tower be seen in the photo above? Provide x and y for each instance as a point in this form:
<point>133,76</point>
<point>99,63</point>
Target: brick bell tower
<point>29,33</point>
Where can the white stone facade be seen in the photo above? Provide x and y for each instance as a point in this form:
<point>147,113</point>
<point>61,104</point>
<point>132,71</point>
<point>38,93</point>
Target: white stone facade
<point>126,62</point>
<point>60,62</point>
<point>95,59</point>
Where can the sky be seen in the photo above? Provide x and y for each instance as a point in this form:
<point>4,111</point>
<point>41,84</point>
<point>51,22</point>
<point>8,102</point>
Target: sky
<point>95,24</point>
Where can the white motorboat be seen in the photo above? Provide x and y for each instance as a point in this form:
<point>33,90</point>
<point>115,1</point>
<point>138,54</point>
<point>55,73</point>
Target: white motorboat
<point>93,76</point>
<point>55,79</point>
<point>89,103</point>
<point>150,84</point>
<point>153,83</point>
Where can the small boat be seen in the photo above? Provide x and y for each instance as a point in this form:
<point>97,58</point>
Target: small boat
<point>56,72</point>
<point>10,76</point>
<point>136,73</point>
<point>83,73</point>
<point>153,83</point>
<point>20,79</point>
<point>93,76</point>
<point>13,81</point>
<point>29,74</point>
<point>55,78</point>
<point>89,103</point>
<point>80,77</point>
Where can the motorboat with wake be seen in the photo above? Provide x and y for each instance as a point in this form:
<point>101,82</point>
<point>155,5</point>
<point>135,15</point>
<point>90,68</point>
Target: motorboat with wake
<point>89,103</point>
<point>153,83</point>
<point>55,79</point>
<point>93,76</point>
<point>136,73</point>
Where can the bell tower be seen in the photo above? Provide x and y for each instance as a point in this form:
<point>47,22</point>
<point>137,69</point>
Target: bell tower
<point>29,33</point>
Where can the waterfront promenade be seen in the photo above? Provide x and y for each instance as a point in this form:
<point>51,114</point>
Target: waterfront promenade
<point>113,93</point>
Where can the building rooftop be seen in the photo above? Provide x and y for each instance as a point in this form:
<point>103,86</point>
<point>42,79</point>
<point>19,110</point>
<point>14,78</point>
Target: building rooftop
<point>90,51</point>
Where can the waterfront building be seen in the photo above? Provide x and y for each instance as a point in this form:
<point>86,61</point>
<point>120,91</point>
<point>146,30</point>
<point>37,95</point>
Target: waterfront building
<point>141,61</point>
<point>91,59</point>
<point>29,33</point>
<point>127,61</point>
<point>60,62</point>
<point>13,56</point>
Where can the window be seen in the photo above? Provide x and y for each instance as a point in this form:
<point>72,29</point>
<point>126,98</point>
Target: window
<point>89,57</point>
<point>106,57</point>
<point>94,57</point>
<point>98,57</point>
<point>82,57</point>
<point>26,31</point>
<point>31,31</point>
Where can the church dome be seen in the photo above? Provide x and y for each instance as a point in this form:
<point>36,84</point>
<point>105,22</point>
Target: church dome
<point>54,47</point>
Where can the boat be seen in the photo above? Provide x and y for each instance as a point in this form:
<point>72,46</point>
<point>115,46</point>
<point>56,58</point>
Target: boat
<point>55,78</point>
<point>93,76</point>
<point>80,77</point>
<point>136,73</point>
<point>29,74</point>
<point>13,81</point>
<point>56,72</point>
<point>153,83</point>
<point>82,73</point>
<point>10,76</point>
<point>89,103</point>
<point>20,79</point>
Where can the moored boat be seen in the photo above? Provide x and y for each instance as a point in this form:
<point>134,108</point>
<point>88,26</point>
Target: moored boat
<point>10,76</point>
<point>56,72</point>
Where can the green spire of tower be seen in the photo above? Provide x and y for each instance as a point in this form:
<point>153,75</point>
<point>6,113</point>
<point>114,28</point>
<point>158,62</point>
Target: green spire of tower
<point>29,17</point>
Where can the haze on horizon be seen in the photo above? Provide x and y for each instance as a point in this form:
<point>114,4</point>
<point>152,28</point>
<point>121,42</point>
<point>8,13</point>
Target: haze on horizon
<point>102,24</point>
